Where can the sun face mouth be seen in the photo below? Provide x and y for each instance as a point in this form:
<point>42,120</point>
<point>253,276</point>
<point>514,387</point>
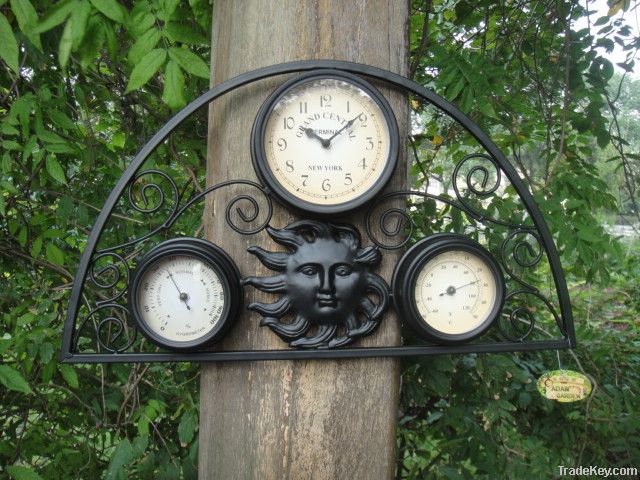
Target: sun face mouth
<point>327,301</point>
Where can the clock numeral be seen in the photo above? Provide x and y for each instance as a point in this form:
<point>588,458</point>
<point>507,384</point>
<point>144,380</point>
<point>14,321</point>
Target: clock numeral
<point>289,123</point>
<point>146,308</point>
<point>348,107</point>
<point>303,107</point>
<point>304,180</point>
<point>369,143</point>
<point>363,163</point>
<point>289,166</point>
<point>282,144</point>
<point>326,186</point>
<point>325,100</point>
<point>363,118</point>
<point>347,179</point>
<point>351,135</point>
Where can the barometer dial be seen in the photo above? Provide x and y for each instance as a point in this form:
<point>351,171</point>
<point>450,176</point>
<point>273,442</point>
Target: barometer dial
<point>185,293</point>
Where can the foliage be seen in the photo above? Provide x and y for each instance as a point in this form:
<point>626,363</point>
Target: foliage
<point>83,83</point>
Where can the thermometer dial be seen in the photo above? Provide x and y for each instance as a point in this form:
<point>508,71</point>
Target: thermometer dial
<point>448,288</point>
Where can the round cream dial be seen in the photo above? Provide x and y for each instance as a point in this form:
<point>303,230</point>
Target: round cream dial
<point>455,292</point>
<point>327,141</point>
<point>180,298</point>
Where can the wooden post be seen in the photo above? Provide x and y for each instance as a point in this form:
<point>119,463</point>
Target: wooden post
<point>281,419</point>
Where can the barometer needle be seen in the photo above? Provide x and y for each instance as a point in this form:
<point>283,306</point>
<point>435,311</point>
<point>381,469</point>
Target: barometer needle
<point>182,295</point>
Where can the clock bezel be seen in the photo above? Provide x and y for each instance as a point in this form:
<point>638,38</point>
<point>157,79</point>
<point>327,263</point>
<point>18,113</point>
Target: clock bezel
<point>261,164</point>
<point>214,257</point>
<point>406,275</point>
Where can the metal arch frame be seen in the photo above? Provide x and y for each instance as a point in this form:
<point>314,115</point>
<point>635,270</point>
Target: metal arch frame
<point>392,79</point>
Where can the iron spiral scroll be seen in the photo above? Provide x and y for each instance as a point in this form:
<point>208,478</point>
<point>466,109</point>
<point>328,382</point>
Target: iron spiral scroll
<point>98,327</point>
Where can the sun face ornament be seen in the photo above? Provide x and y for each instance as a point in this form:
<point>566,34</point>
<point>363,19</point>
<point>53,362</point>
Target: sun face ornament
<point>326,284</point>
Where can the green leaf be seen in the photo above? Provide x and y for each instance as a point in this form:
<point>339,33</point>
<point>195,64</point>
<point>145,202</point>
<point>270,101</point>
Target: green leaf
<point>54,254</point>
<point>55,16</point>
<point>173,94</point>
<point>79,18</point>
<point>146,69</point>
<point>3,206</point>
<point>69,374</point>
<point>55,169</point>
<point>13,380</point>
<point>111,9</point>
<point>143,45</point>
<point>20,472</point>
<point>66,41</point>
<point>121,457</point>
<point>9,50</point>
<point>46,352</point>
<point>190,62</point>
<point>27,20</point>
<point>178,32</point>
<point>187,427</point>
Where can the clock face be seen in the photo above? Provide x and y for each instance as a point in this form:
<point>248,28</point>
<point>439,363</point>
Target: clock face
<point>448,288</point>
<point>184,294</point>
<point>326,142</point>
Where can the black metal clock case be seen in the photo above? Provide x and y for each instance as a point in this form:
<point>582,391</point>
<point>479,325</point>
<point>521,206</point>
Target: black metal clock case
<point>263,170</point>
<point>211,255</point>
<point>406,274</point>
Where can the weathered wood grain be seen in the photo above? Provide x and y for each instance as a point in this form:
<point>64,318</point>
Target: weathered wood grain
<point>294,420</point>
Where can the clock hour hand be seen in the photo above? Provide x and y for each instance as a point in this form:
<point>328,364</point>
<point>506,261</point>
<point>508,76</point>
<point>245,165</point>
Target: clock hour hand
<point>311,134</point>
<point>452,290</point>
<point>182,295</point>
<point>347,125</point>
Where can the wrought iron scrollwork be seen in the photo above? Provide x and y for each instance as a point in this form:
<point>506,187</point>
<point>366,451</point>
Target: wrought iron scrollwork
<point>110,330</point>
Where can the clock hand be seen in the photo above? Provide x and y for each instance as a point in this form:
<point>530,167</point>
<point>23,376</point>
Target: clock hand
<point>311,134</point>
<point>452,290</point>
<point>348,124</point>
<point>182,295</point>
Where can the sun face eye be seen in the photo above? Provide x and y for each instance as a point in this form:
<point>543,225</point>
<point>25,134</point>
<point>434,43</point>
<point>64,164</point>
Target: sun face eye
<point>343,270</point>
<point>308,270</point>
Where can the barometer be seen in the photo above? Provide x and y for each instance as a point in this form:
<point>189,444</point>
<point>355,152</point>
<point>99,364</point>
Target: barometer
<point>185,293</point>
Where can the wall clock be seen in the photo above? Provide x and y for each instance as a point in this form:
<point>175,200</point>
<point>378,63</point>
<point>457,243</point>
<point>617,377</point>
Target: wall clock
<point>448,289</point>
<point>325,142</point>
<point>185,293</point>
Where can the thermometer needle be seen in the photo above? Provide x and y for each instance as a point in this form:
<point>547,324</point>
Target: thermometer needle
<point>452,290</point>
<point>183,295</point>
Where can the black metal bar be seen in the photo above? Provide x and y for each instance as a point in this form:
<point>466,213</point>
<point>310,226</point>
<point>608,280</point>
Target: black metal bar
<point>253,355</point>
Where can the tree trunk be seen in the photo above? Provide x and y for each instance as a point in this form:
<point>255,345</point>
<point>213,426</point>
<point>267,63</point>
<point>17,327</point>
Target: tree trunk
<point>283,419</point>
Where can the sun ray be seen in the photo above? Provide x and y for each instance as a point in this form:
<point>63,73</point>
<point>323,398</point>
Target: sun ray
<point>277,309</point>
<point>324,333</point>
<point>274,260</point>
<point>275,284</point>
<point>287,331</point>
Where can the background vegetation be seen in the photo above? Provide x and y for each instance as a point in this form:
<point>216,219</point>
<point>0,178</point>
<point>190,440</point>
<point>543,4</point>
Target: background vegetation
<point>83,83</point>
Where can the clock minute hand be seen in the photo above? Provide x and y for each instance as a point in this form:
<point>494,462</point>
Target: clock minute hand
<point>348,124</point>
<point>182,295</point>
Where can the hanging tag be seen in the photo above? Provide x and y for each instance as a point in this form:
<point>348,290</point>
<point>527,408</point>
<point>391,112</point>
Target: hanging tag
<point>564,386</point>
